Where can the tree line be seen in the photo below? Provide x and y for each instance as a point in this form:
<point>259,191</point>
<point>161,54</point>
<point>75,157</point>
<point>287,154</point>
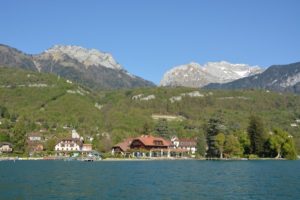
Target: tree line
<point>252,143</point>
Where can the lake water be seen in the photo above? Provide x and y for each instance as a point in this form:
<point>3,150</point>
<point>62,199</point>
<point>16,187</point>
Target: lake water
<point>150,180</point>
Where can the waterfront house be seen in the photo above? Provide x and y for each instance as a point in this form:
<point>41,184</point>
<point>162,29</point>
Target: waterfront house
<point>68,145</point>
<point>148,146</point>
<point>6,147</point>
<point>184,143</point>
<point>148,142</point>
<point>122,148</point>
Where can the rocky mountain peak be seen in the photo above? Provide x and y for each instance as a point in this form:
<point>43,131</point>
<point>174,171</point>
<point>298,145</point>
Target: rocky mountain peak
<point>88,57</point>
<point>196,75</point>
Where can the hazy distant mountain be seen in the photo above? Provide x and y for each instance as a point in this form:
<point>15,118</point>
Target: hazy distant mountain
<point>195,75</point>
<point>281,78</point>
<point>90,67</point>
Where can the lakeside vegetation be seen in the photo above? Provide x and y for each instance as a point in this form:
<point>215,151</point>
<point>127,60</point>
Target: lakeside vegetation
<point>238,123</point>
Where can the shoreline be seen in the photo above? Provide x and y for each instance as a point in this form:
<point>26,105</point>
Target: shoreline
<point>135,159</point>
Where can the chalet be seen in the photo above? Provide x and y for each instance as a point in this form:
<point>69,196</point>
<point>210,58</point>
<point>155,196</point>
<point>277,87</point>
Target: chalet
<point>148,142</point>
<point>68,145</point>
<point>150,146</point>
<point>6,147</point>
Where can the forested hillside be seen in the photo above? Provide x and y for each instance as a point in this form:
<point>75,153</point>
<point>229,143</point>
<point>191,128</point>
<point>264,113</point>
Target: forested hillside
<point>55,105</point>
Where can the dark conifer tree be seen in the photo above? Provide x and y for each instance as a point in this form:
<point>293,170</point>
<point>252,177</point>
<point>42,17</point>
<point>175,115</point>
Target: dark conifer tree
<point>257,136</point>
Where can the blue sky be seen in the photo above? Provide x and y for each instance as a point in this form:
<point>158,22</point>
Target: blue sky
<point>149,37</point>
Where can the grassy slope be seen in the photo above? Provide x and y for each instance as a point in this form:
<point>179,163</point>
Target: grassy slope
<point>51,104</point>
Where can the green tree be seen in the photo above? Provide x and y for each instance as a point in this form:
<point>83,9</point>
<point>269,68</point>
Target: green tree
<point>232,146</point>
<point>257,136</point>
<point>201,144</point>
<point>4,112</point>
<point>244,141</point>
<point>283,144</point>
<point>50,144</point>
<point>220,141</point>
<point>19,138</point>
<point>214,126</point>
<point>162,128</point>
<point>146,128</point>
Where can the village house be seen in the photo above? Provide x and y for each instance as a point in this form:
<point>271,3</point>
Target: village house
<point>73,144</point>
<point>147,146</point>
<point>68,144</point>
<point>122,148</point>
<point>150,146</point>
<point>34,142</point>
<point>185,144</point>
<point>6,147</point>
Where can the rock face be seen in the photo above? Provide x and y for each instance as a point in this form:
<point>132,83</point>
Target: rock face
<point>89,67</point>
<point>195,75</point>
<point>87,57</point>
<point>280,78</point>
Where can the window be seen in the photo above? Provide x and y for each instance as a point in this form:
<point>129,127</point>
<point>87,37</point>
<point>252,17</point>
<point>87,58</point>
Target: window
<point>158,142</point>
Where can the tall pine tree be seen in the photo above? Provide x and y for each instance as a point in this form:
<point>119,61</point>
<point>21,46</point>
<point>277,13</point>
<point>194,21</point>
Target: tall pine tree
<point>257,136</point>
<point>215,126</point>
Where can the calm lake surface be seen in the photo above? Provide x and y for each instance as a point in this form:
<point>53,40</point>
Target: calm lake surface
<point>150,180</point>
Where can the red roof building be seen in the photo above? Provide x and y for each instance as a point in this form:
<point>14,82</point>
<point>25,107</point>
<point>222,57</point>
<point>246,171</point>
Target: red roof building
<point>149,142</point>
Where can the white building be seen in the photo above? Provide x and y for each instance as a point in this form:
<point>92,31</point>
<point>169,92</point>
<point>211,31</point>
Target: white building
<point>75,135</point>
<point>186,144</point>
<point>5,147</point>
<point>68,145</point>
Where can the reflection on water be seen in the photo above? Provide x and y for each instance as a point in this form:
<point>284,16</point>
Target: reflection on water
<point>150,180</point>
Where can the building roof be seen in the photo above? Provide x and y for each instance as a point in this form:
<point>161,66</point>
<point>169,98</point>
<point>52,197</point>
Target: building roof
<point>149,140</point>
<point>125,145</point>
<point>184,142</point>
<point>5,143</point>
<point>76,140</point>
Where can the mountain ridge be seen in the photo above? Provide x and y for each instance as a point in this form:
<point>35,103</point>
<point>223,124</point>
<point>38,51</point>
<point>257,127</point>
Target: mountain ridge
<point>89,67</point>
<point>196,75</point>
<point>280,78</point>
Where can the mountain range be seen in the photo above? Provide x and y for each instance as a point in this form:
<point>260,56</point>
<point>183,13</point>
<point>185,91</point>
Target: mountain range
<point>98,70</point>
<point>280,78</point>
<point>89,67</point>
<point>196,75</point>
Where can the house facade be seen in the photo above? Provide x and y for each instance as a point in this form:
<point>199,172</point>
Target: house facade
<point>72,145</point>
<point>6,147</point>
<point>147,146</point>
<point>190,145</point>
<point>68,145</point>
